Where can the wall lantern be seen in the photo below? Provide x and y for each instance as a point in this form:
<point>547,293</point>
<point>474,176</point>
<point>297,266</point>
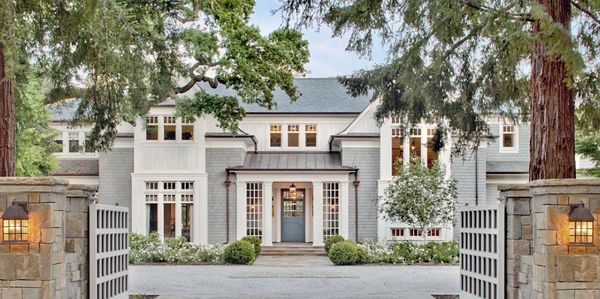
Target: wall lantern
<point>15,223</point>
<point>293,191</point>
<point>581,225</point>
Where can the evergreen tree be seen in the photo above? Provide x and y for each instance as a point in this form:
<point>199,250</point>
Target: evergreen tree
<point>588,146</point>
<point>460,62</point>
<point>121,57</point>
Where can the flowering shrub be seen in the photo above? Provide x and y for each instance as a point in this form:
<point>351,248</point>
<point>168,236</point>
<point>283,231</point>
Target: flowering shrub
<point>410,253</point>
<point>149,249</point>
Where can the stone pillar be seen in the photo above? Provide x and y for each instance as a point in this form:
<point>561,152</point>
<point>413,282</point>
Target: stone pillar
<point>317,213</point>
<point>267,233</point>
<point>560,269</point>
<point>517,247</point>
<point>53,263</point>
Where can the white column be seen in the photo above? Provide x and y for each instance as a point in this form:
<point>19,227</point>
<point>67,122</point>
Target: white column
<point>241,210</point>
<point>406,148</point>
<point>161,213</point>
<point>344,210</point>
<point>267,235</point>
<point>138,207</point>
<point>385,150</point>
<point>178,211</point>
<point>200,212</point>
<point>318,213</point>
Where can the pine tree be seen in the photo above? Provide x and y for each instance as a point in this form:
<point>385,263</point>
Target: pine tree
<point>458,63</point>
<point>121,57</point>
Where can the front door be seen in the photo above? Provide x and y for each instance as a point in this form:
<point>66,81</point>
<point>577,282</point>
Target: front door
<point>292,215</point>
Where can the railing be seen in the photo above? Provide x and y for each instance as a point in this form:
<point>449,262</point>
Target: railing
<point>481,249</point>
<point>109,246</point>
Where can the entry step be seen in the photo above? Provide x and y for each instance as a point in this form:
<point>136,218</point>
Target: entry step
<point>293,249</point>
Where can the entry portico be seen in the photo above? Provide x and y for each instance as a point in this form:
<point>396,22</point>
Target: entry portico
<point>269,207</point>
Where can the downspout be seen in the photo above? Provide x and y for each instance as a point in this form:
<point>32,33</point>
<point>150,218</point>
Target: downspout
<point>227,184</point>
<point>356,183</point>
<point>476,177</point>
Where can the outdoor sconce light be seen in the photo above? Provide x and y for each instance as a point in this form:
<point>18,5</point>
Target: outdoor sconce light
<point>15,222</point>
<point>293,191</point>
<point>581,225</point>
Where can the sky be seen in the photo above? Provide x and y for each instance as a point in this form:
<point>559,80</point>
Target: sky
<point>328,57</point>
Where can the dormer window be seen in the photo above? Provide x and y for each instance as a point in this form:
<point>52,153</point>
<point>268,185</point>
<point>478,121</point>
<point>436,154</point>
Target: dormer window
<point>170,127</point>
<point>508,138</point>
<point>311,135</point>
<point>275,135</point>
<point>152,128</point>
<point>293,135</point>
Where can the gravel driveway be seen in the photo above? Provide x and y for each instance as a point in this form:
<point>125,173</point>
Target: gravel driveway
<point>229,281</point>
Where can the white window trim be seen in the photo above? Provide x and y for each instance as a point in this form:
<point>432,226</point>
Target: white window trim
<point>161,130</point>
<point>65,153</point>
<point>284,137</point>
<point>502,148</point>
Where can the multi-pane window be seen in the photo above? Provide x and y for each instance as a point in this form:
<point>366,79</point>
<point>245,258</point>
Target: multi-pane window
<point>167,199</point>
<point>434,232</point>
<point>414,232</point>
<point>187,128</point>
<point>59,144</point>
<point>293,135</point>
<point>169,185</point>
<point>395,120</point>
<point>73,142</point>
<point>508,137</point>
<point>415,143</point>
<point>151,185</point>
<point>397,150</point>
<point>187,205</point>
<point>275,135</point>
<point>151,198</point>
<point>87,145</point>
<point>311,135</point>
<point>152,128</point>
<point>397,232</point>
<point>170,127</point>
<point>331,209</point>
<point>254,206</point>
<point>432,152</point>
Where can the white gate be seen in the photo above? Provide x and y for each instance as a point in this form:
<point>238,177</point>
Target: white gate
<point>481,246</point>
<point>109,246</point>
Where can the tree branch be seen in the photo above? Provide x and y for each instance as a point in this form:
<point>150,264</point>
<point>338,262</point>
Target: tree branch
<point>586,11</point>
<point>504,12</point>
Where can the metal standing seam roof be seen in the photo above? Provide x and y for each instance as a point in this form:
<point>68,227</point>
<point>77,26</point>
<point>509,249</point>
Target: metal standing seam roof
<point>296,161</point>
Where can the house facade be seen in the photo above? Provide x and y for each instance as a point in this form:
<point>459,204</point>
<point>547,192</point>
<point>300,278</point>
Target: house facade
<point>300,172</point>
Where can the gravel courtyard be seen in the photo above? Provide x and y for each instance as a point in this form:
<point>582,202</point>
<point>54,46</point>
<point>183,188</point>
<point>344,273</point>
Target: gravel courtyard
<point>268,281</point>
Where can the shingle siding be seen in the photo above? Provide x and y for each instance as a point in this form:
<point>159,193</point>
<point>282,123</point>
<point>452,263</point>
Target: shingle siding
<point>217,161</point>
<point>367,162</point>
<point>493,149</point>
<point>115,167</point>
<point>463,171</point>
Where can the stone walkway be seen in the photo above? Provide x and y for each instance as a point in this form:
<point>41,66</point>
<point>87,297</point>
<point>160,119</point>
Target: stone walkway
<point>293,279</point>
<point>293,261</point>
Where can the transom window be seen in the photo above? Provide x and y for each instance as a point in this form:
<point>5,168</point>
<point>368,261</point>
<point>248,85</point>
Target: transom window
<point>151,185</point>
<point>169,185</point>
<point>275,135</point>
<point>311,135</point>
<point>508,140</point>
<point>395,120</point>
<point>293,134</point>
<point>397,232</point>
<point>187,185</point>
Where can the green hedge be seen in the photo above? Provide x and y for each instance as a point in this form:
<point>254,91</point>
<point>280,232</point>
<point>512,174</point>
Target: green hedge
<point>332,240</point>
<point>344,253</point>
<point>348,252</point>
<point>255,241</point>
<point>239,252</point>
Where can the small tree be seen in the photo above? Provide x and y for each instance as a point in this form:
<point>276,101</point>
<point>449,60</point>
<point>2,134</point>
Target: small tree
<point>421,197</point>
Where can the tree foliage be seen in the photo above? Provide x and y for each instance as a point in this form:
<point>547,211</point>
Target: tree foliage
<point>121,57</point>
<point>458,62</point>
<point>421,197</point>
<point>588,146</point>
<point>35,138</point>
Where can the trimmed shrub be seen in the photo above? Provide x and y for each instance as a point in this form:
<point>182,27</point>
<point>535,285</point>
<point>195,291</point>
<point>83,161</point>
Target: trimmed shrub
<point>239,252</point>
<point>344,253</point>
<point>363,256</point>
<point>255,241</point>
<point>332,240</point>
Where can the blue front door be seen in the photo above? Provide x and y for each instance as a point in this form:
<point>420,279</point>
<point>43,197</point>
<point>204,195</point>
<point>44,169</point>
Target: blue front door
<point>292,216</point>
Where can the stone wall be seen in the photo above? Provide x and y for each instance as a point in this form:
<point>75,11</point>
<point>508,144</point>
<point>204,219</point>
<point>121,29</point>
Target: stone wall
<point>544,264</point>
<point>53,263</point>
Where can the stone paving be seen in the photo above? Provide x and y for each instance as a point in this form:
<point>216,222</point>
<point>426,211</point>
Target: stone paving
<point>294,277</point>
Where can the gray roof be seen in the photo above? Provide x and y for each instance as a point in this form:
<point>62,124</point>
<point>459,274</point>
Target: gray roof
<point>287,161</point>
<point>318,95</point>
<point>77,167</point>
<point>507,167</point>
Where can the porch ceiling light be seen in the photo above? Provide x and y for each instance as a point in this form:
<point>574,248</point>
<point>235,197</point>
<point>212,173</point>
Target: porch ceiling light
<point>15,223</point>
<point>581,225</point>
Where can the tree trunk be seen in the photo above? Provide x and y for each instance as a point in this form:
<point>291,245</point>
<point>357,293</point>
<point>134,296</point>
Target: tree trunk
<point>552,141</point>
<point>7,121</point>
